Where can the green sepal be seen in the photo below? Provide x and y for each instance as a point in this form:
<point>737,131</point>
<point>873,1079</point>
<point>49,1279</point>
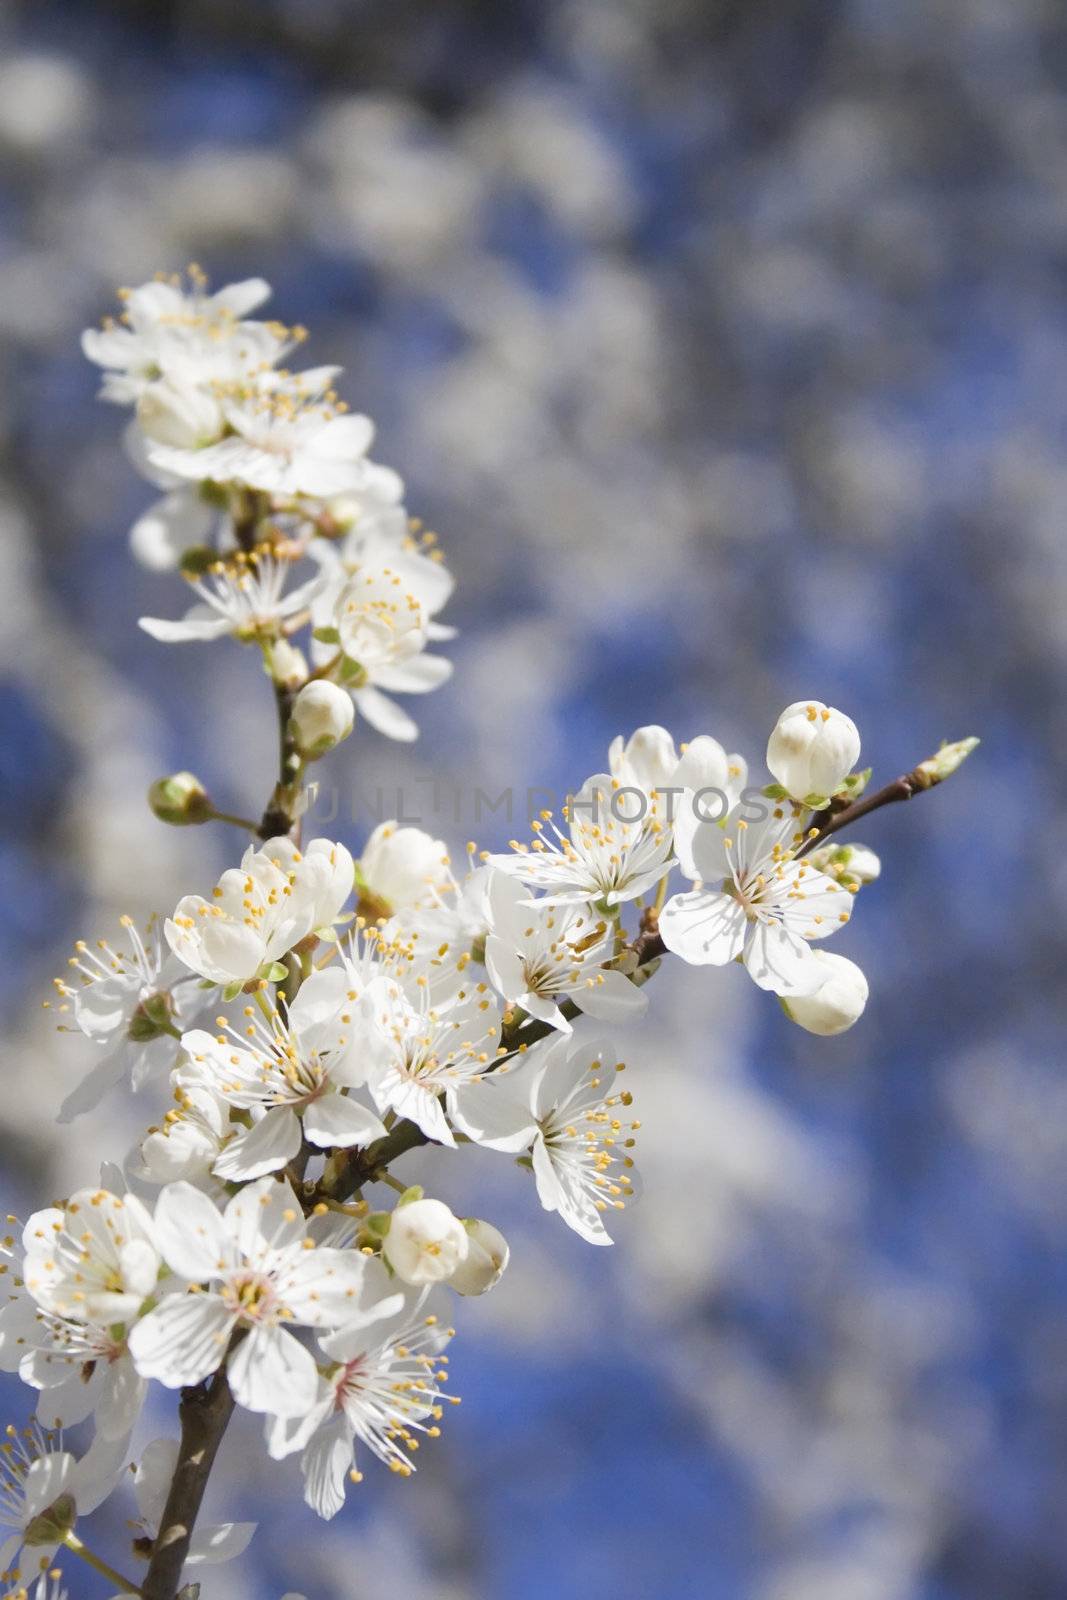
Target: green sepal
<point>232,990</point>
<point>273,971</point>
<point>377,1223</point>
<point>350,671</point>
<point>198,559</point>
<point>855,783</point>
<point>774,791</point>
<point>409,1195</point>
<point>326,635</point>
<point>53,1525</point>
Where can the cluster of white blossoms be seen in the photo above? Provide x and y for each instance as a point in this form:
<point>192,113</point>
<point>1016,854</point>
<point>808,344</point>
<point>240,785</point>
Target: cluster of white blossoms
<point>314,1017</point>
<point>271,506</point>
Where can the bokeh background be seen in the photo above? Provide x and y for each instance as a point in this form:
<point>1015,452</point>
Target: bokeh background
<point>725,343</point>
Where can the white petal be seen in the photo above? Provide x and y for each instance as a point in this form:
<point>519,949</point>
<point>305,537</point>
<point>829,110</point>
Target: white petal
<point>492,1114</point>
<point>700,845</point>
<point>183,1340</point>
<point>191,1234</point>
<point>335,1119</point>
<point>781,961</point>
<point>199,625</point>
<point>385,715</point>
<point>612,998</point>
<point>264,1147</point>
<point>325,1464</point>
<point>418,676</point>
<point>47,1479</point>
<point>324,1287</point>
<point>271,1372</point>
<point>152,1479</point>
<point>223,1542</point>
<point>122,1400</point>
<point>93,1088</point>
<point>264,1217</point>
<point>704,927</point>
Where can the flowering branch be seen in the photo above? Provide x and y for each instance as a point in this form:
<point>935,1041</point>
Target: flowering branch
<point>318,1017</point>
<point>932,771</point>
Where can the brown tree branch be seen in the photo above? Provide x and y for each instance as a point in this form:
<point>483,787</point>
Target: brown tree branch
<point>204,1413</point>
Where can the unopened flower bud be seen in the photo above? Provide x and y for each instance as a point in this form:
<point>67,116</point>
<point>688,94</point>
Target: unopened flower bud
<point>186,418</point>
<point>425,1242</point>
<point>180,799</point>
<point>837,1003</point>
<point>812,750</point>
<point>322,716</point>
<point>487,1257</point>
<point>288,665</point>
<point>401,869</point>
<point>950,756</point>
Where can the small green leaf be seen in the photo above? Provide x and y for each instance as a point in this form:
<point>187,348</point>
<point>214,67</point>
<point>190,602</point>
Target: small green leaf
<point>414,1193</point>
<point>326,635</point>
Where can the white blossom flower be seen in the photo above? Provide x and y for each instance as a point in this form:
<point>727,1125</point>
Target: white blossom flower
<point>252,1271</point>
<point>416,1054</point>
<point>837,1003</point>
<point>485,1262</point>
<point>180,332</point>
<point>210,1544</point>
<point>425,1243</point>
<point>179,414</point>
<point>291,1073</point>
<point>812,749</point>
<point>581,1140</point>
<point>383,536</point>
<point>383,628</point>
<point>613,852</point>
<point>81,1369</point>
<point>260,910</point>
<point>768,905</point>
<point>132,1001</point>
<point>649,762</point>
<point>402,869</point>
<point>44,1489</point>
<point>189,1139</point>
<point>286,439</point>
<point>95,1259</point>
<point>539,953</point>
<point>381,1390</point>
<point>241,594</point>
<point>322,717</point>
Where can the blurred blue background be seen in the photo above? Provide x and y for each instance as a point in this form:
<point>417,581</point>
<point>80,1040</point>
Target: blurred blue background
<point>725,344</point>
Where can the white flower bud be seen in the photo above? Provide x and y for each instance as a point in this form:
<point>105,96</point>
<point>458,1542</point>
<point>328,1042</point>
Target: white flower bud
<point>186,418</point>
<point>402,869</point>
<point>288,665</point>
<point>487,1257</point>
<point>837,1003</point>
<point>425,1242</point>
<point>812,750</point>
<point>322,716</point>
